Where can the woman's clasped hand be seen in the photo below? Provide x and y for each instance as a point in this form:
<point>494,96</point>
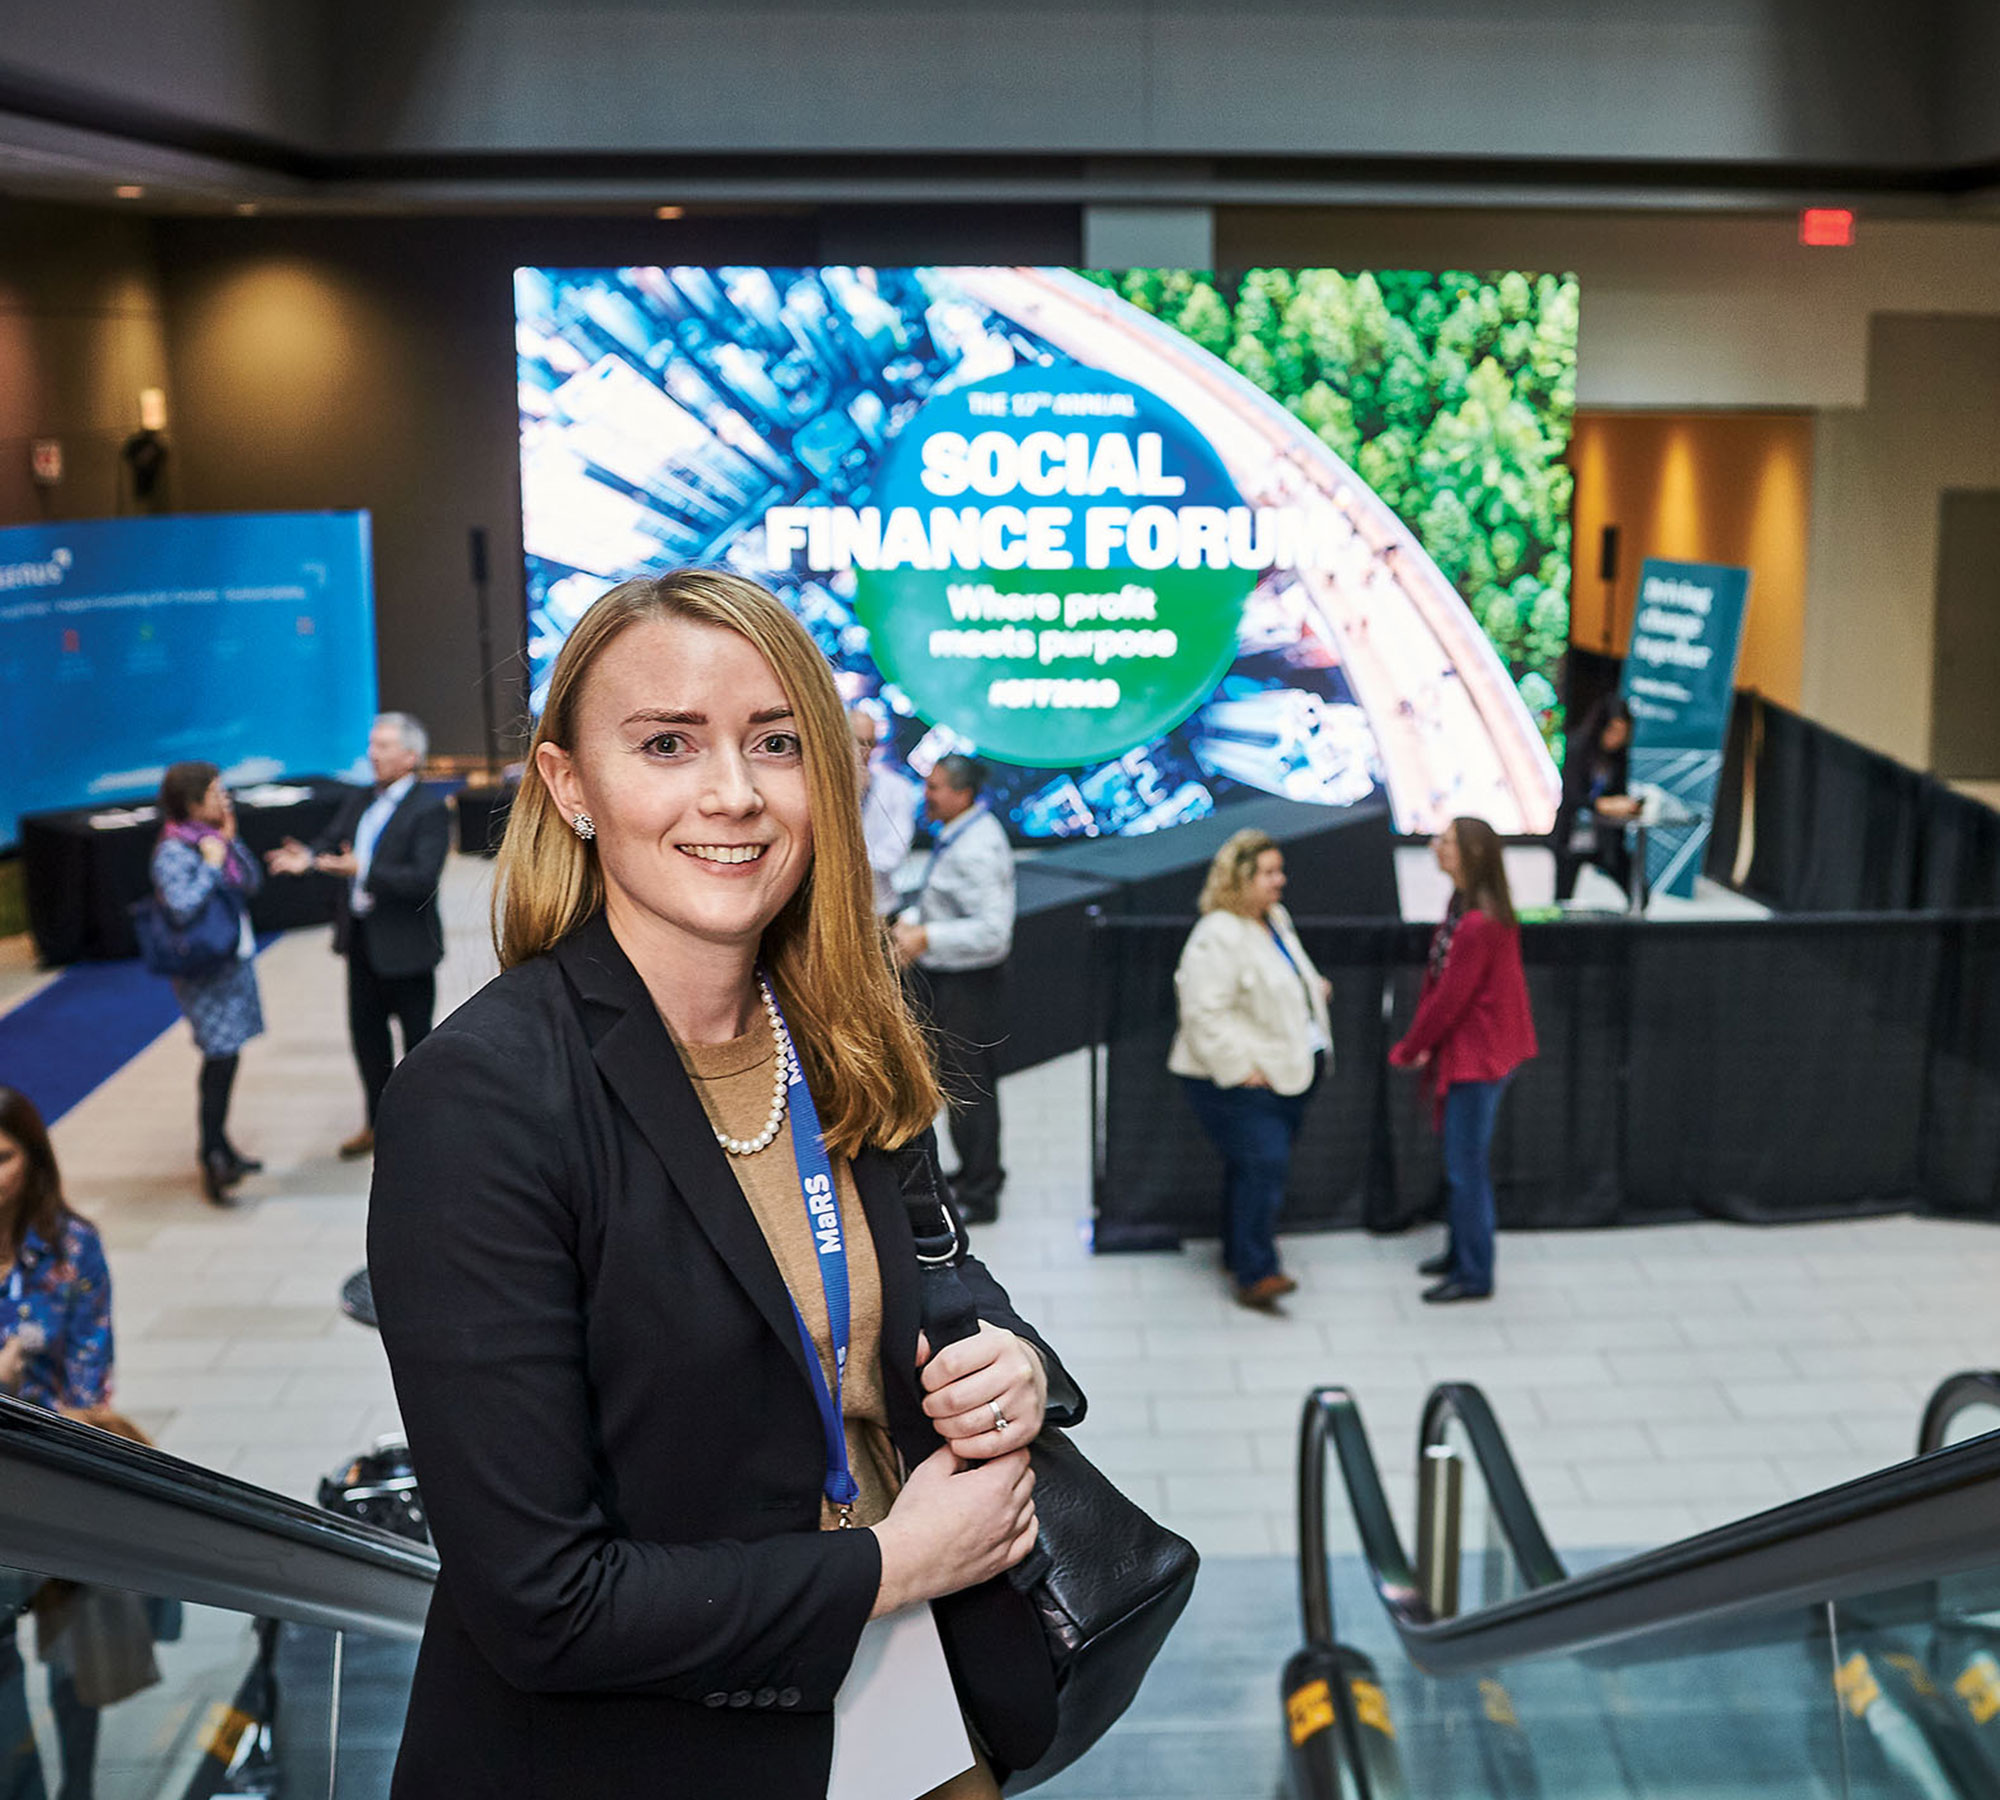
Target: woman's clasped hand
<point>967,1512</point>
<point>985,1394</point>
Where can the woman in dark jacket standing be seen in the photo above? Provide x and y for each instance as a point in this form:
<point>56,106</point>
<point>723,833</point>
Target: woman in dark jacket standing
<point>647,1281</point>
<point>1590,822</point>
<point>198,855</point>
<point>1472,1030</point>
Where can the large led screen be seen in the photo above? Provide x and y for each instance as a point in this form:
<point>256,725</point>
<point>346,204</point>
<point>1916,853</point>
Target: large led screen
<point>1148,542</point>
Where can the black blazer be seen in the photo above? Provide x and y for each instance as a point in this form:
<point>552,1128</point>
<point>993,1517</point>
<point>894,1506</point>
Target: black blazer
<point>619,1452</point>
<point>405,933</point>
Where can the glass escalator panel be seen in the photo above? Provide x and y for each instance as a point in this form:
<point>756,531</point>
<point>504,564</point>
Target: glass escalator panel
<point>124,1696</point>
<point>1731,1666</point>
<point>1918,1681</point>
<point>374,1693</point>
<point>1734,1712</point>
<point>169,1633</point>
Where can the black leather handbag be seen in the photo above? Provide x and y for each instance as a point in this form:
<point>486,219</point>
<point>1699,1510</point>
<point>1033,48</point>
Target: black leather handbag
<point>1106,1580</point>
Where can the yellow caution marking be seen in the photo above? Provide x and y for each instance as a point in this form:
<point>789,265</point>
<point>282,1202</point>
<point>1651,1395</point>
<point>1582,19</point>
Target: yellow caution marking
<point>1920,1677</point>
<point>1371,1707</point>
<point>1309,1710</point>
<point>1498,1703</point>
<point>224,1730</point>
<point>1978,1685</point>
<point>1854,1681</point>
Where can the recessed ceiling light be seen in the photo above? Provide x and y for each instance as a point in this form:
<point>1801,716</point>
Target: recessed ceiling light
<point>130,191</point>
<point>669,212</point>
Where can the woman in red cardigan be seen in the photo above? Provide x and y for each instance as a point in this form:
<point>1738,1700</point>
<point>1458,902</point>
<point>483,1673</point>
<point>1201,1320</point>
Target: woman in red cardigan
<point>1473,1029</point>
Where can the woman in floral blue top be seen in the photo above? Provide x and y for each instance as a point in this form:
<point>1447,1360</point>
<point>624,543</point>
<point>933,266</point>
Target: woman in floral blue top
<point>55,1336</point>
<point>55,1352</point>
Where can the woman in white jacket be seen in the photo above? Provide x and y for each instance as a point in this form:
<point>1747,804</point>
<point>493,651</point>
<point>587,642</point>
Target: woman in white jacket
<point>1254,1041</point>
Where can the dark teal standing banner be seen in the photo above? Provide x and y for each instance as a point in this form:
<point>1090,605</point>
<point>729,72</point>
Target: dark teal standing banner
<point>1680,675</point>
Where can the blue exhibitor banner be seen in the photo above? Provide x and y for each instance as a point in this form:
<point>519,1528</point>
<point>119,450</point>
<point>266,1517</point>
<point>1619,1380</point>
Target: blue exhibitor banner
<point>244,640</point>
<point>1680,676</point>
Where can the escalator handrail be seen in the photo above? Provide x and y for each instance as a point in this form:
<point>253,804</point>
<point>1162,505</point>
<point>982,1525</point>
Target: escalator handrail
<point>1913,1522</point>
<point>1333,1417</point>
<point>1506,1492</point>
<point>1952,1396</point>
<point>86,1506</point>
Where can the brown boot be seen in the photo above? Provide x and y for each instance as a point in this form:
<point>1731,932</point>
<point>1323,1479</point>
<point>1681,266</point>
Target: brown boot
<point>361,1144</point>
<point>1265,1293</point>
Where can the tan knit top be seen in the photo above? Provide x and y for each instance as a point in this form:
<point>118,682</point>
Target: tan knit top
<point>734,1082</point>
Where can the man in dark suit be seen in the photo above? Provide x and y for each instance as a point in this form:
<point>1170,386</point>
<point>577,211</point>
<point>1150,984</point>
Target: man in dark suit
<point>387,846</point>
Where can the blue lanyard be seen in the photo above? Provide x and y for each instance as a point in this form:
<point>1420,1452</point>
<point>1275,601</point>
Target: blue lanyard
<point>822,1203</point>
<point>945,839</point>
<point>1305,987</point>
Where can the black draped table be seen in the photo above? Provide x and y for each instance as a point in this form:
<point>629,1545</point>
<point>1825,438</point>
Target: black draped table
<point>81,877</point>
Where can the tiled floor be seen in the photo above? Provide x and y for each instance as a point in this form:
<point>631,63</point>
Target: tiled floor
<point>1654,1382</point>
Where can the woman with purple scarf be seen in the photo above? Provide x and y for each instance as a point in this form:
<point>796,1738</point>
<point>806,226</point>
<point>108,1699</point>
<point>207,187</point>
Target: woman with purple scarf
<point>198,853</point>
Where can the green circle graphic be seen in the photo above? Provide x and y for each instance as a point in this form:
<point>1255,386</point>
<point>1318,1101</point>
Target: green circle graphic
<point>1054,666</point>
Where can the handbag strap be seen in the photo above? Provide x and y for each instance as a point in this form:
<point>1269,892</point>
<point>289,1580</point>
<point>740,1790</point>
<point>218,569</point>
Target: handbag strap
<point>943,1299</point>
<point>944,1302</point>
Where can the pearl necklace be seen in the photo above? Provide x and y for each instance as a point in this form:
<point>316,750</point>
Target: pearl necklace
<point>780,1086</point>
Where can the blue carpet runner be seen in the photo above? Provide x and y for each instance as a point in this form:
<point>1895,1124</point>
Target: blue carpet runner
<point>61,1044</point>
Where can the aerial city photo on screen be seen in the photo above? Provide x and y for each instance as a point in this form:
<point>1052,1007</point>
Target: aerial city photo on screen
<point>1150,542</point>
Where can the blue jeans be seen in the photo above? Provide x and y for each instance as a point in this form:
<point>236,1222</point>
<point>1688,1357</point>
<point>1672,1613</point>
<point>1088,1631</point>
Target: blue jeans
<point>1253,1129</point>
<point>1471,1109</point>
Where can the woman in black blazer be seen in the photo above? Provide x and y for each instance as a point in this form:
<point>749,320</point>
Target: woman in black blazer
<point>1590,821</point>
<point>582,1280</point>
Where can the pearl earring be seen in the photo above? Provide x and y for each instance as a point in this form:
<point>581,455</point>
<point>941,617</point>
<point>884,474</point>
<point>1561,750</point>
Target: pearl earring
<point>582,826</point>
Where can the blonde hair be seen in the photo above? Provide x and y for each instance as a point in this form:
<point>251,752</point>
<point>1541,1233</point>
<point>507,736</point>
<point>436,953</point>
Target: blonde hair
<point>865,1056</point>
<point>1231,871</point>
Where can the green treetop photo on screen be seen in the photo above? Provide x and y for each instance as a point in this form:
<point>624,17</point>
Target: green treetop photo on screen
<point>1450,394</point>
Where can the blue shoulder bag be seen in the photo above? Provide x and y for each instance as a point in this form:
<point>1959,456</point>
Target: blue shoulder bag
<point>201,946</point>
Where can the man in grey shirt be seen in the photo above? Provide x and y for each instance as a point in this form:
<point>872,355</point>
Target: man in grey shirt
<point>953,943</point>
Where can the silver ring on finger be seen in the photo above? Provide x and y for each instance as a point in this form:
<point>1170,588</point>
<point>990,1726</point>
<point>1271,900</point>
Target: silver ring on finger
<point>1000,1420</point>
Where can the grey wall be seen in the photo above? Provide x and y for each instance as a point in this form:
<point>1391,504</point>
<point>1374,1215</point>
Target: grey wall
<point>255,67</point>
<point>1828,80</point>
<point>1785,81</point>
<point>1931,424</point>
<point>1965,716</point>
<point>81,333</point>
<point>1968,82</point>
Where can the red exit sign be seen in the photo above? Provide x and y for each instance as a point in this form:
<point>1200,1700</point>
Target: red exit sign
<point>1826,227</point>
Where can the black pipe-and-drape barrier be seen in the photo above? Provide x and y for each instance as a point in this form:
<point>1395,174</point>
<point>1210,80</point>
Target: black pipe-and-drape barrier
<point>1837,827</point>
<point>1762,1071</point>
<point>1833,825</point>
